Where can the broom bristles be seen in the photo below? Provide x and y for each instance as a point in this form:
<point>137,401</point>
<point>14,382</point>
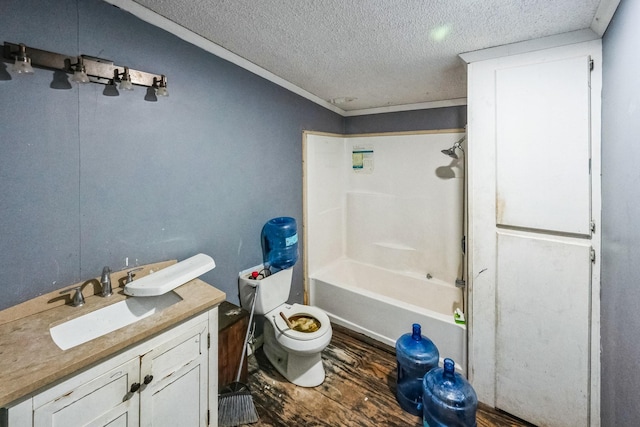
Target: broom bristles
<point>236,408</point>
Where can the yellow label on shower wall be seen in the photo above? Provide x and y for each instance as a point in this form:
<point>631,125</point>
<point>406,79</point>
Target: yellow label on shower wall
<point>362,159</point>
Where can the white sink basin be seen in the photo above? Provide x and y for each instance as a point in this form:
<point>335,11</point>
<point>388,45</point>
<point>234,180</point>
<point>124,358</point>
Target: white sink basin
<point>107,319</point>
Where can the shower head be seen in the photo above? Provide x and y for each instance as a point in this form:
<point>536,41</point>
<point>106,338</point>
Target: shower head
<point>451,152</point>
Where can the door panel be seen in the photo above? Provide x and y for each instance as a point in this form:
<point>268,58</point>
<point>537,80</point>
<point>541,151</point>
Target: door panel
<point>542,336</point>
<point>542,146</point>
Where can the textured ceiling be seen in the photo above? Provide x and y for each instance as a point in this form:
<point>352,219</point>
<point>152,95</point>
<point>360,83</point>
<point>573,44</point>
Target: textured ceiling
<point>372,53</point>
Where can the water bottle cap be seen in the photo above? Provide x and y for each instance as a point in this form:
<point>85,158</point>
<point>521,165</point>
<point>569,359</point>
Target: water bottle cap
<point>417,332</point>
<point>449,366</point>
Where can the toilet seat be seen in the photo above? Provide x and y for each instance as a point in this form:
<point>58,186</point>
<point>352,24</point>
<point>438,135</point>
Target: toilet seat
<point>301,310</point>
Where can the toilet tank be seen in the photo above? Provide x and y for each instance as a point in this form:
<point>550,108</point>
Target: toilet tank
<point>274,289</point>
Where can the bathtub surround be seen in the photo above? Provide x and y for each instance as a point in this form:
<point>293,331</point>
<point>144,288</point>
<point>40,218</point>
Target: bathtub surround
<point>383,224</point>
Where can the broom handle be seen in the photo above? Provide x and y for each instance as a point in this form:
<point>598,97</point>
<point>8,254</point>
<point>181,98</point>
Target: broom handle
<point>246,337</point>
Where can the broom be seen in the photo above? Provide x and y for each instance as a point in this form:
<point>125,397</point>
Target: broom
<point>235,404</point>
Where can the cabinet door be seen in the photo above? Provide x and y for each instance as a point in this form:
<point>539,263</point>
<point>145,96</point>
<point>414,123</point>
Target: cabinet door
<point>175,373</point>
<point>542,332</point>
<point>100,402</point>
<point>543,151</point>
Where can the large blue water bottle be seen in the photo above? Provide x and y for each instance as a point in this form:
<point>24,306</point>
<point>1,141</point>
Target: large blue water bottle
<point>416,355</point>
<point>449,400</point>
<point>280,243</point>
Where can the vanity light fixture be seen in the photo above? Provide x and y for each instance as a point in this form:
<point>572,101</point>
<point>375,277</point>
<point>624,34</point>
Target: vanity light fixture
<point>85,69</point>
<point>22,63</point>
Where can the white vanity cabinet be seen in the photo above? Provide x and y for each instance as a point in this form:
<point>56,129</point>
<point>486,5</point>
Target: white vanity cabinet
<point>167,380</point>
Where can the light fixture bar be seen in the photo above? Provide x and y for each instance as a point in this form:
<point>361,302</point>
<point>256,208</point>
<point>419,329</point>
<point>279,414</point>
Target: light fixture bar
<point>99,70</point>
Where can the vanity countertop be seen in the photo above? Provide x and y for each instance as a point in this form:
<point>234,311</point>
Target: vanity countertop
<point>30,360</point>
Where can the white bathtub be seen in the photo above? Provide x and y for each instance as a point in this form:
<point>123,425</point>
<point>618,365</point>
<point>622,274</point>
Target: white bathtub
<point>383,305</point>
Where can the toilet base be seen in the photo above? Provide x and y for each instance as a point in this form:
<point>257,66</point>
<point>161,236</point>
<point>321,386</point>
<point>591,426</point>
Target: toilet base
<point>301,370</point>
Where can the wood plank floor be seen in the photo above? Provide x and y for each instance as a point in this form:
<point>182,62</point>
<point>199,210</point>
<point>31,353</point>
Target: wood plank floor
<point>359,390</point>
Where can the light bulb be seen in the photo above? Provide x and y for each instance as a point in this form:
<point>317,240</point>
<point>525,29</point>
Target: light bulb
<point>80,72</point>
<point>22,64</point>
<point>161,86</point>
<point>80,76</point>
<point>23,67</point>
<point>125,83</point>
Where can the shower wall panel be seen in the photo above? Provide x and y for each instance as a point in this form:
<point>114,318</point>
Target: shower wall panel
<point>400,202</point>
<point>324,188</point>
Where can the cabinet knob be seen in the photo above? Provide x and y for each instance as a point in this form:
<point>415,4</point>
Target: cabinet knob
<point>134,387</point>
<point>148,379</point>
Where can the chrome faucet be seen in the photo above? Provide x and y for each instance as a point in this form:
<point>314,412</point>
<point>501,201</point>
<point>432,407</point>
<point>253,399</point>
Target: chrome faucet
<point>106,282</point>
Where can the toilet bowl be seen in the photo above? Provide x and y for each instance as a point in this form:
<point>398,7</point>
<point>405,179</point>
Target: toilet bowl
<point>295,353</point>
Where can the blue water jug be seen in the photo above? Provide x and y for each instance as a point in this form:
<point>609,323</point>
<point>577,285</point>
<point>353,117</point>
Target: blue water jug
<point>449,400</point>
<point>416,355</point>
<point>280,243</point>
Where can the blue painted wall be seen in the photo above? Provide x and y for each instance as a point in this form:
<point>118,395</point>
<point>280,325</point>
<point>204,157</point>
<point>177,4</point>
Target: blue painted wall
<point>621,216</point>
<point>431,119</point>
<point>87,180</point>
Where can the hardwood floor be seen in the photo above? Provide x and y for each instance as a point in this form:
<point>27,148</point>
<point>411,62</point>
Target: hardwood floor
<point>359,390</point>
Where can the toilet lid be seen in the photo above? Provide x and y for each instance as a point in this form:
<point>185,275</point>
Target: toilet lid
<point>302,310</point>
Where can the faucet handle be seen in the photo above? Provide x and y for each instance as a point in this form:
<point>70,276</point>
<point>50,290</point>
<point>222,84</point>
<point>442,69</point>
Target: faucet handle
<point>130,274</point>
<point>78,298</point>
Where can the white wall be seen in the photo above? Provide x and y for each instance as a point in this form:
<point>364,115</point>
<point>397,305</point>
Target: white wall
<point>405,215</point>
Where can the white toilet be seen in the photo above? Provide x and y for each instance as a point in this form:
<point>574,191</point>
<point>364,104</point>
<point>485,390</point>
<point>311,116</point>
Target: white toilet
<point>295,354</point>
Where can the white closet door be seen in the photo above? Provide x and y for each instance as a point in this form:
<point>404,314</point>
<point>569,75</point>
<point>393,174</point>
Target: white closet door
<point>542,333</point>
<point>534,134</point>
<point>542,146</point>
